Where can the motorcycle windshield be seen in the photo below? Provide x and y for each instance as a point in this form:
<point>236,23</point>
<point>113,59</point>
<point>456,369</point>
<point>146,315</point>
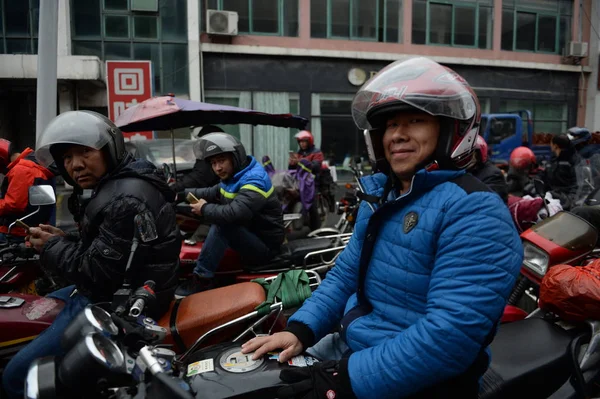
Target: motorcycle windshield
<point>568,231</point>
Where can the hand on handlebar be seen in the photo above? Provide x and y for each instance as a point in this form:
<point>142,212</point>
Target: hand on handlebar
<point>282,340</point>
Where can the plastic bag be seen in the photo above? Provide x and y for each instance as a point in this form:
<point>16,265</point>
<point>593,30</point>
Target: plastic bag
<point>573,293</point>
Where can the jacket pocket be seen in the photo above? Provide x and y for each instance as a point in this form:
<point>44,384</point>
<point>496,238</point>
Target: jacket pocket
<point>353,314</point>
<point>106,251</point>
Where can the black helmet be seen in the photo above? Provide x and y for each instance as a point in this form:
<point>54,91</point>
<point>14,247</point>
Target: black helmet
<point>85,128</point>
<point>219,143</point>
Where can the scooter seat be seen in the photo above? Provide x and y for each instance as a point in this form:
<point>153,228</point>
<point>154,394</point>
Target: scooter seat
<point>188,319</point>
<point>529,359</point>
<point>292,254</point>
<point>296,250</point>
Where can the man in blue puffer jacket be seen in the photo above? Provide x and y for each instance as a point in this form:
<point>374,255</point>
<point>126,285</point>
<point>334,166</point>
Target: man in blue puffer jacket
<point>419,290</point>
<point>243,210</point>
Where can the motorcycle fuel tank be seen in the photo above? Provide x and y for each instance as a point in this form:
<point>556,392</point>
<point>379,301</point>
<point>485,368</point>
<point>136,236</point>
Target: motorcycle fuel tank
<point>222,371</point>
<point>23,317</point>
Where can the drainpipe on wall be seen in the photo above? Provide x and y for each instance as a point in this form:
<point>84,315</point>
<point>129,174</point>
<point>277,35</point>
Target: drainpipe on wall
<point>46,66</point>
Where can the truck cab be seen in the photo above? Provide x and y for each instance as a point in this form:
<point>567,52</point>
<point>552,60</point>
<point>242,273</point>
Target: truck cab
<point>504,132</point>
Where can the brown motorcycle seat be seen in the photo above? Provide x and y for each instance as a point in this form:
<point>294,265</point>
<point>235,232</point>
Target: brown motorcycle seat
<point>201,312</point>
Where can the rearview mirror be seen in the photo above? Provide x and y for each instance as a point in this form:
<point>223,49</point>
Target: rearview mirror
<point>41,195</point>
<point>145,228</point>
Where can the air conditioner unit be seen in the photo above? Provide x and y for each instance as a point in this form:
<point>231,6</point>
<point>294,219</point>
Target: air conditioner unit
<point>577,49</point>
<point>221,22</point>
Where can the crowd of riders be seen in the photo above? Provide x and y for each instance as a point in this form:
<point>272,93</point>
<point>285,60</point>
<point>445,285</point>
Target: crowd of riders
<point>382,320</point>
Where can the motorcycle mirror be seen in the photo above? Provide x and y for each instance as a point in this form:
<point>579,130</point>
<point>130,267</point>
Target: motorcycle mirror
<point>540,187</point>
<point>145,227</point>
<point>41,195</point>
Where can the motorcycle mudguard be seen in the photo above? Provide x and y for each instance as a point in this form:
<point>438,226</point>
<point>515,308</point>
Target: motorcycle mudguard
<point>512,313</point>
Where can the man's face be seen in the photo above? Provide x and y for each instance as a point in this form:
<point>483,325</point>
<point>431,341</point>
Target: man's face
<point>222,165</point>
<point>85,165</point>
<point>409,139</point>
<point>555,149</point>
<point>303,144</point>
<point>14,156</point>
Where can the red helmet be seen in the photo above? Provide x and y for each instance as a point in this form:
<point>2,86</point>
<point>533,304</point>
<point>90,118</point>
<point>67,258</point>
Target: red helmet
<point>522,158</point>
<point>4,153</point>
<point>424,85</point>
<point>305,135</point>
<point>481,147</point>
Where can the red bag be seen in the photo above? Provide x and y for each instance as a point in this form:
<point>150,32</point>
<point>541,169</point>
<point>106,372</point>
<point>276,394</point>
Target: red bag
<point>573,293</point>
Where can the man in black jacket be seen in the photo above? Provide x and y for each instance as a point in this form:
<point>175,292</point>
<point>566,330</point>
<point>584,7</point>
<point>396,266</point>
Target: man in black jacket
<point>559,175</point>
<point>243,210</point>
<point>487,172</point>
<point>89,151</point>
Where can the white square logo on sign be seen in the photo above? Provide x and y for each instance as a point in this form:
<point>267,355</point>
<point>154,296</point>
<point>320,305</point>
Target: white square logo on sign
<point>129,81</point>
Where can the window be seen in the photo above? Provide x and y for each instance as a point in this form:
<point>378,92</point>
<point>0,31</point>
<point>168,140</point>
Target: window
<point>466,23</point>
<point>110,30</point>
<point>262,17</point>
<point>261,140</point>
<point>379,20</point>
<point>548,117</point>
<point>19,22</point>
<point>536,25</point>
<point>334,129</point>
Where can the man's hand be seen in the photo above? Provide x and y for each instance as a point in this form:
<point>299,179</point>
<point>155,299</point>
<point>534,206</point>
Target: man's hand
<point>38,238</point>
<point>328,379</point>
<point>197,207</point>
<point>293,159</point>
<point>52,230</point>
<point>281,340</point>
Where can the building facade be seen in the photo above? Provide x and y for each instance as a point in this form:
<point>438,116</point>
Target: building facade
<point>310,57</point>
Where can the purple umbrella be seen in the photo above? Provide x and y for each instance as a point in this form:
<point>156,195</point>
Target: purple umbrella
<point>167,112</point>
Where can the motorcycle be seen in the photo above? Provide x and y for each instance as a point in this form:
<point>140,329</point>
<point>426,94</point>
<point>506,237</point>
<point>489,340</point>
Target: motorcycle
<point>539,357</point>
<point>112,354</point>
<point>543,357</point>
<point>561,239</point>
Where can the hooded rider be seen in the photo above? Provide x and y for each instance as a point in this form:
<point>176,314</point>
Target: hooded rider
<point>89,151</point>
<point>243,210</point>
<point>421,286</point>
<point>22,171</point>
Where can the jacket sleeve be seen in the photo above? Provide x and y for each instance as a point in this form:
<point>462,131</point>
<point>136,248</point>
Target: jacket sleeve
<point>210,194</point>
<point>324,309</point>
<point>241,210</point>
<point>16,198</point>
<point>97,269</point>
<point>472,276</point>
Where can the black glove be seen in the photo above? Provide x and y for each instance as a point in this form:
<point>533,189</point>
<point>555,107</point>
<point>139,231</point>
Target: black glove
<point>326,380</point>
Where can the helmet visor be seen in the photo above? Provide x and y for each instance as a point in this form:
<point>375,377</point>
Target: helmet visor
<point>419,83</point>
<point>76,128</point>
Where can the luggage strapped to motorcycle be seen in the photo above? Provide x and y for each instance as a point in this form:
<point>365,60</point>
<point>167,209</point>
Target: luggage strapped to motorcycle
<point>292,287</point>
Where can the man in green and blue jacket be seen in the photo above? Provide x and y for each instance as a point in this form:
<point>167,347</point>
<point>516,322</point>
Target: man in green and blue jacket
<point>243,210</point>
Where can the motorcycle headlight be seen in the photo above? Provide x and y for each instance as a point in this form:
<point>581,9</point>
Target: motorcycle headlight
<point>93,357</point>
<point>535,259</point>
<point>91,319</point>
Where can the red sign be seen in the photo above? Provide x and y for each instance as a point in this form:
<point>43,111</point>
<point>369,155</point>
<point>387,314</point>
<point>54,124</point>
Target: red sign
<point>128,83</point>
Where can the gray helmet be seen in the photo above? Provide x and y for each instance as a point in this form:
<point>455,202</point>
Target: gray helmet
<point>219,143</point>
<point>85,128</point>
